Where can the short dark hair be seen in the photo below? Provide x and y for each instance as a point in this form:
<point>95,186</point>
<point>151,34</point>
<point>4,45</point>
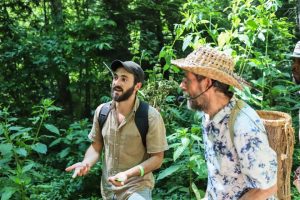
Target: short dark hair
<point>221,87</point>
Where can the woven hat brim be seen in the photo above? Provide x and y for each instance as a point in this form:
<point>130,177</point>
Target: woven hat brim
<point>210,72</point>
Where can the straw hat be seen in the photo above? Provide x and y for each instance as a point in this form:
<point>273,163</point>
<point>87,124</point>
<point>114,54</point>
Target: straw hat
<point>296,52</point>
<point>211,63</point>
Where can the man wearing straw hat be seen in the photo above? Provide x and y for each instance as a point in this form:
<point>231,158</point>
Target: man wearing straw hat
<point>296,77</point>
<point>240,165</point>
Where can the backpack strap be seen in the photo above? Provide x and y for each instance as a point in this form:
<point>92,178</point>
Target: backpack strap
<point>233,115</point>
<point>105,109</point>
<point>141,120</point>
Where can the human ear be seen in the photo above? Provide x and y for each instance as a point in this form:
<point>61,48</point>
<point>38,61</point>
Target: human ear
<point>138,86</point>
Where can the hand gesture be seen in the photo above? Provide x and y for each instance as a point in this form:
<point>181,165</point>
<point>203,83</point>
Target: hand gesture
<point>80,169</point>
<point>119,179</point>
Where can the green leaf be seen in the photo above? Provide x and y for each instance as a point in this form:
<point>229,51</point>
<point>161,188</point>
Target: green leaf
<point>185,142</point>
<point>224,38</point>
<point>15,179</point>
<point>64,152</point>
<point>261,36</point>
<point>167,172</point>
<point>1,129</point>
<point>15,128</point>
<point>244,39</point>
<point>186,41</point>
<point>52,128</point>
<point>6,149</point>
<point>55,142</point>
<point>21,152</point>
<point>204,21</point>
<point>252,24</point>
<point>27,167</point>
<point>278,89</point>
<point>7,192</point>
<point>196,191</point>
<point>54,108</point>
<point>40,148</point>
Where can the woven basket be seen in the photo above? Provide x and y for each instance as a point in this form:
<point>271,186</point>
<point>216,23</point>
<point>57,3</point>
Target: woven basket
<point>281,139</point>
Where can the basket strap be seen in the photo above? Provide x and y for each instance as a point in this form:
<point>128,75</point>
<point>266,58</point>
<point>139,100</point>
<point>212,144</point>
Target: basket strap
<point>233,115</point>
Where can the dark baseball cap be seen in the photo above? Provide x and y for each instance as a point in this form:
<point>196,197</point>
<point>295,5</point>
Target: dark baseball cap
<point>131,67</point>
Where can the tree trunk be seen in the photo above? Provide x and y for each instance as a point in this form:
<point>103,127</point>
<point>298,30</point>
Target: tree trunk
<point>45,14</point>
<point>117,10</point>
<point>62,77</point>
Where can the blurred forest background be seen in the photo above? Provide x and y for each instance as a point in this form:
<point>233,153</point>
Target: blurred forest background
<point>53,75</point>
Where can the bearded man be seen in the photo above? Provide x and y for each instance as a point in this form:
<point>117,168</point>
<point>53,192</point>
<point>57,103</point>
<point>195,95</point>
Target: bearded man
<point>241,164</point>
<point>128,160</point>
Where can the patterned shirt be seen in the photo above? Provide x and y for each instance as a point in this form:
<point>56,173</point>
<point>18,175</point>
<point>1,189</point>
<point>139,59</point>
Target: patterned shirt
<point>233,169</point>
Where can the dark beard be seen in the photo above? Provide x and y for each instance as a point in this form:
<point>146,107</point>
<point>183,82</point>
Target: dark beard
<point>193,105</point>
<point>124,96</point>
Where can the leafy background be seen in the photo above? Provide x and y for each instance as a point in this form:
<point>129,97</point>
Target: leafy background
<point>53,75</point>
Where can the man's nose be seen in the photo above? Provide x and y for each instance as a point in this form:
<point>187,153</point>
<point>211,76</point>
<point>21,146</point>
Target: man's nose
<point>183,85</point>
<point>116,82</point>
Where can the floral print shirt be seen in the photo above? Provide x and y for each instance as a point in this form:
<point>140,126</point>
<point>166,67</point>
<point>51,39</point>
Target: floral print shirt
<point>233,169</point>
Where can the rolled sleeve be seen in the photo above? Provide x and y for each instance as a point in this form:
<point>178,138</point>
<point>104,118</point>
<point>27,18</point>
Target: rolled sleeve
<point>95,133</point>
<point>257,159</point>
<point>156,136</point>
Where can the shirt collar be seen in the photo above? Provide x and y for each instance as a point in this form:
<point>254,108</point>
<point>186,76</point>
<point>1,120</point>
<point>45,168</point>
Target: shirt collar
<point>135,106</point>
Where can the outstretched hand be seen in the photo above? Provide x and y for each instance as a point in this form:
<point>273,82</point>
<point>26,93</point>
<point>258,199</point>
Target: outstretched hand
<point>80,169</point>
<point>119,179</point>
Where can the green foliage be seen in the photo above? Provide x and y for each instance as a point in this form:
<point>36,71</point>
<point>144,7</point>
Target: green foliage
<point>259,41</point>
<point>18,146</point>
<point>55,49</point>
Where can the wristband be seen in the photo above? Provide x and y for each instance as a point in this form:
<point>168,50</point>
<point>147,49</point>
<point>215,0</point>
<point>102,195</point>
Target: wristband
<point>142,172</point>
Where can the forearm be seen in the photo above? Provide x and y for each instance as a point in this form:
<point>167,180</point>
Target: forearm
<point>92,154</point>
<point>149,165</point>
<point>259,194</point>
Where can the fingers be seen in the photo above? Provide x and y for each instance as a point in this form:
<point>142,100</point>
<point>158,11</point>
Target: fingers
<point>76,171</point>
<point>73,166</point>
<point>80,169</point>
<point>118,180</point>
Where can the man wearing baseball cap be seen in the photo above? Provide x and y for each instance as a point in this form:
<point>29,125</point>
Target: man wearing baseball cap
<point>129,156</point>
<point>240,162</point>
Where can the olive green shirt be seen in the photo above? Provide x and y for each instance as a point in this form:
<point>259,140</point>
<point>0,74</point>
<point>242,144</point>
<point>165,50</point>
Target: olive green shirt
<point>124,149</point>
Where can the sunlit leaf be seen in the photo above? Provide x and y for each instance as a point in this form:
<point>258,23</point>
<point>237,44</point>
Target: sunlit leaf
<point>185,142</point>
<point>186,41</point>
<point>196,191</point>
<point>261,36</point>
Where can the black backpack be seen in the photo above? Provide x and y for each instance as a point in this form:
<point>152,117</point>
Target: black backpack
<point>141,118</point>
